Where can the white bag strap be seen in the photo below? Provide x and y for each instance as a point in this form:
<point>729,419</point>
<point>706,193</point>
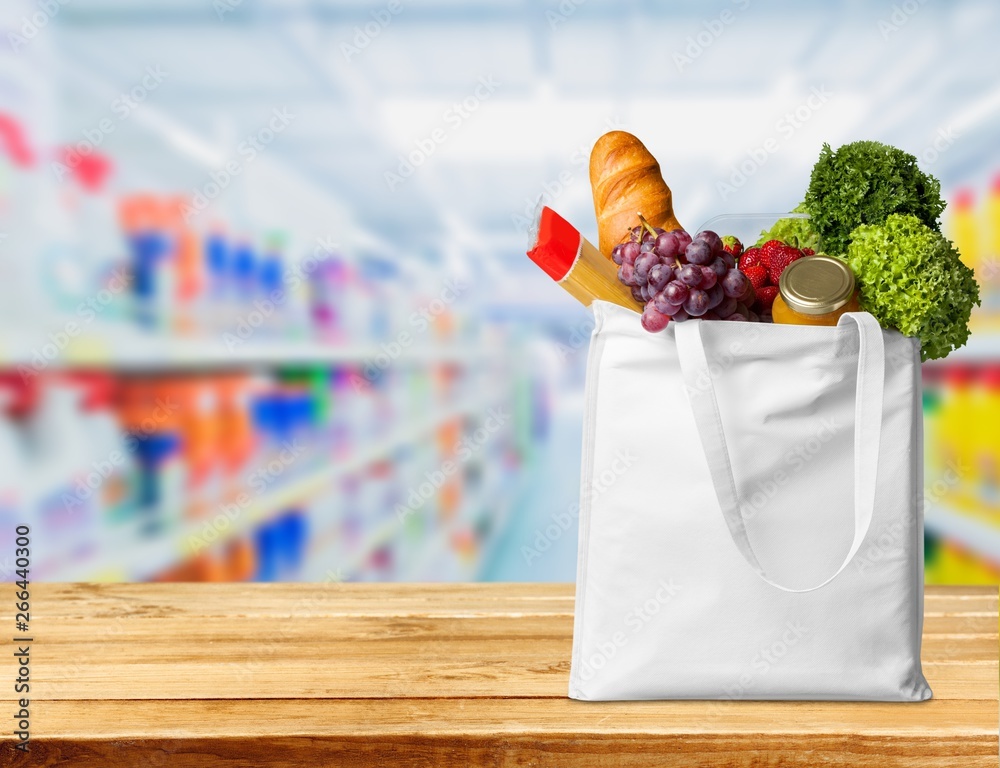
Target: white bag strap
<point>867,432</point>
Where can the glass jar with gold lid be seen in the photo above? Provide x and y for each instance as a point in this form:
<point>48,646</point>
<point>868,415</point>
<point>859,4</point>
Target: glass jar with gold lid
<point>815,290</point>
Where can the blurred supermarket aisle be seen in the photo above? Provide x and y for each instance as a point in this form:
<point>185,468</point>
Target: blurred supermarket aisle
<point>962,413</point>
<point>236,475</point>
<point>264,306</point>
<point>541,542</point>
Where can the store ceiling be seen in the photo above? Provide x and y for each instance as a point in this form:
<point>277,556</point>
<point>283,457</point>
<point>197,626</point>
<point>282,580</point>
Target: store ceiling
<point>605,64</point>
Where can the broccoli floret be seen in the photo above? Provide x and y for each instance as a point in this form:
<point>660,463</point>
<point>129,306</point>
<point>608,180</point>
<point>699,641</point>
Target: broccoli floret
<point>863,183</point>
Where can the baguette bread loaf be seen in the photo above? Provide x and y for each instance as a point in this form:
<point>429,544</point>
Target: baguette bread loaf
<point>626,179</point>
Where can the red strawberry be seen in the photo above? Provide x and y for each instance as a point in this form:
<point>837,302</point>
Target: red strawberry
<point>756,275</point>
<point>731,244</point>
<point>781,258</point>
<point>808,251</point>
<point>768,249</point>
<point>765,297</point>
<point>750,258</point>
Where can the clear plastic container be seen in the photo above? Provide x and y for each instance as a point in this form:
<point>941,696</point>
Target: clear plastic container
<point>792,228</point>
<point>749,227</point>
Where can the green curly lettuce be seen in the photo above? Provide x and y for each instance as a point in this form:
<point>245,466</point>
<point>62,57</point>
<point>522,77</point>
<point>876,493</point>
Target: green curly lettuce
<point>911,278</point>
<point>797,232</point>
<point>863,183</point>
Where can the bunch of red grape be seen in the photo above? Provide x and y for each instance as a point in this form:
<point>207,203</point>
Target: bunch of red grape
<point>678,277</point>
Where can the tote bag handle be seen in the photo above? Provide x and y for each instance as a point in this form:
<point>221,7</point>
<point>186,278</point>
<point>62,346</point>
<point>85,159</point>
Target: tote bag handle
<point>867,432</point>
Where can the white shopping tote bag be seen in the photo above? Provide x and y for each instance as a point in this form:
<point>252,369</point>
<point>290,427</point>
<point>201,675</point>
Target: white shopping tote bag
<point>750,521</point>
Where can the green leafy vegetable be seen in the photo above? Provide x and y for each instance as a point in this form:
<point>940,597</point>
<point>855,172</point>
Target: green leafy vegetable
<point>797,232</point>
<point>863,183</point>
<point>911,278</point>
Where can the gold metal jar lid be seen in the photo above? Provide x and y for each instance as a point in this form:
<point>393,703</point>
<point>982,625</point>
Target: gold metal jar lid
<point>816,285</point>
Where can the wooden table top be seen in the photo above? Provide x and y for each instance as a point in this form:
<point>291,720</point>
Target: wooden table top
<point>436,675</point>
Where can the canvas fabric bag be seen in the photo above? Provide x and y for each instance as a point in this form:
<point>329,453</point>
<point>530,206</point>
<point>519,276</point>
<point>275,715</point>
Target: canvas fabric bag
<point>751,522</point>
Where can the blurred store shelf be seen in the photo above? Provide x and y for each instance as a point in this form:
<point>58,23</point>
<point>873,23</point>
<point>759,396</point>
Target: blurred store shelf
<point>436,550</point>
<point>440,562</point>
<point>972,533</point>
<point>509,505</point>
<point>127,556</point>
<point>126,348</point>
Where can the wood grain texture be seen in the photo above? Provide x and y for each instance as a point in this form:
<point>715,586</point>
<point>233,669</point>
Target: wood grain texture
<point>438,675</point>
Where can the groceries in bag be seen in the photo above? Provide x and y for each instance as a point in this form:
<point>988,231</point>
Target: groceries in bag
<point>867,204</point>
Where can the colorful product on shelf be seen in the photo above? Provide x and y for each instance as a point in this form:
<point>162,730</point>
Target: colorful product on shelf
<point>241,559</point>
<point>948,562</point>
<point>990,265</point>
<point>217,266</point>
<point>116,463</point>
<point>270,276</point>
<point>146,224</point>
<point>245,276</point>
<point>953,447</point>
<point>160,471</point>
<point>975,228</point>
<point>63,473</point>
<point>329,282</point>
<point>237,439</point>
<point>281,547</point>
<point>962,477</point>
<point>987,451</point>
<point>190,267</point>
<point>964,229</point>
<point>965,428</point>
<point>198,413</point>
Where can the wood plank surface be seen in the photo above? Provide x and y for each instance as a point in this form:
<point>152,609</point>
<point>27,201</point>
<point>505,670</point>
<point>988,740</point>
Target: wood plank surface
<point>438,675</point>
